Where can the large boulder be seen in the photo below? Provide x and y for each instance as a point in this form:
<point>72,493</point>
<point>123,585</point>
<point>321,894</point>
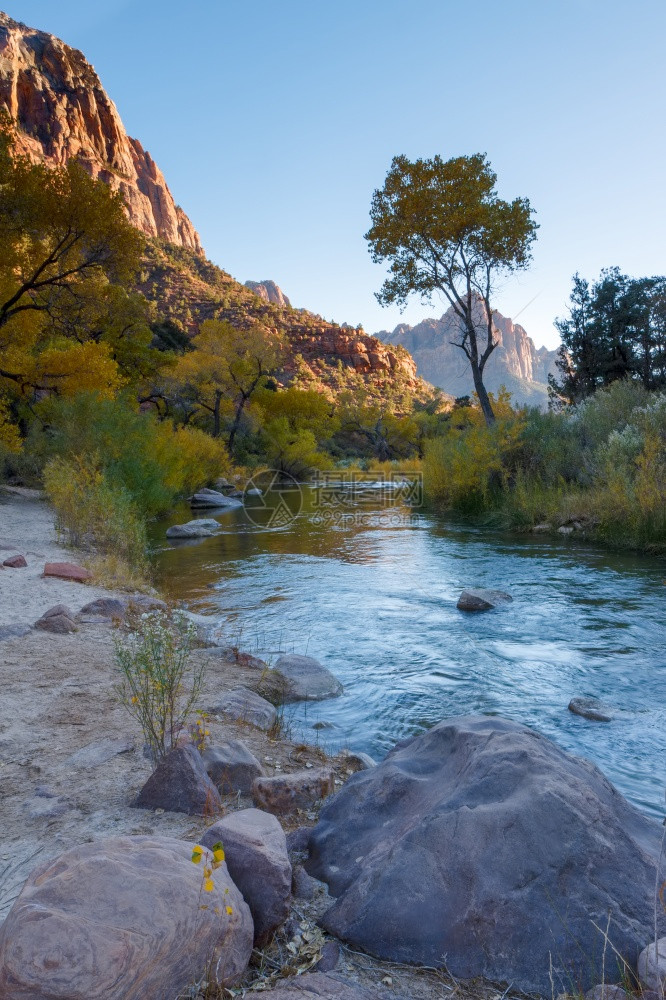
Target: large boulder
<point>480,840</point>
<point>180,783</point>
<point>299,678</point>
<point>482,600</point>
<point>256,855</point>
<point>122,919</point>
<point>232,767</point>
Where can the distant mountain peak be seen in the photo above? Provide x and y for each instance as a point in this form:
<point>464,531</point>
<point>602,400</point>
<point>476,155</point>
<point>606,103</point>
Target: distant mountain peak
<point>61,111</point>
<point>515,363</point>
<point>269,292</point>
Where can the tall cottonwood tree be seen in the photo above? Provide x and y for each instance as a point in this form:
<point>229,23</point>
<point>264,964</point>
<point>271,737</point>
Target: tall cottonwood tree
<point>443,229</point>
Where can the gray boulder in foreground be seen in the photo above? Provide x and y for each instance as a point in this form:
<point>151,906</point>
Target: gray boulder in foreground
<point>482,842</point>
<point>482,600</point>
<point>121,919</point>
<point>301,678</point>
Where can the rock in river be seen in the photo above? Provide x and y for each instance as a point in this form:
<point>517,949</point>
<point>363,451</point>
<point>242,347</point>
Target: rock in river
<point>480,840</point>
<point>121,919</point>
<point>482,600</point>
<point>211,498</point>
<point>299,678</point>
<point>590,708</point>
<point>202,527</point>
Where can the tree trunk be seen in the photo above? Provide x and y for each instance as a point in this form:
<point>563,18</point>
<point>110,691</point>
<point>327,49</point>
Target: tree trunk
<point>484,399</point>
<point>236,423</point>
<point>216,414</point>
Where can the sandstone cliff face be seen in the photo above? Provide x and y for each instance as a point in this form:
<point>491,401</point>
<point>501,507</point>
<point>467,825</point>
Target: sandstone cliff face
<point>515,362</point>
<point>61,110</point>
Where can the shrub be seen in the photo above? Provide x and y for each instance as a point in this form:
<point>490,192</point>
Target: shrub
<point>159,687</point>
<point>93,513</point>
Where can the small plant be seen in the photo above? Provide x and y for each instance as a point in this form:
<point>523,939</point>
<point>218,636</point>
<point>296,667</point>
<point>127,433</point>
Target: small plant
<point>159,686</point>
<point>212,859</point>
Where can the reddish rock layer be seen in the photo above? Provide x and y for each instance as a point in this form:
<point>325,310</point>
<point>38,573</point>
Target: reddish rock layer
<point>62,111</point>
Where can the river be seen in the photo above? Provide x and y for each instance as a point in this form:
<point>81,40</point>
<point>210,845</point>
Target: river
<point>367,583</point>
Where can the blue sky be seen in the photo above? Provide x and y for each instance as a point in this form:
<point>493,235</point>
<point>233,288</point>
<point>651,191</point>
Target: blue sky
<point>274,122</point>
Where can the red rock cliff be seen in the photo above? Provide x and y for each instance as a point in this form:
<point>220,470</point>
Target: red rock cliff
<point>61,109</point>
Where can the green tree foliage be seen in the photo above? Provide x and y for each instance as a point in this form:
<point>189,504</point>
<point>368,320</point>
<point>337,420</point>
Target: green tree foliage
<point>616,329</point>
<point>226,367</point>
<point>443,229</point>
<point>297,426</point>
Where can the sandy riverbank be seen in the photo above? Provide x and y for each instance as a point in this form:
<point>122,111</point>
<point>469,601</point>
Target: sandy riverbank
<point>71,759</point>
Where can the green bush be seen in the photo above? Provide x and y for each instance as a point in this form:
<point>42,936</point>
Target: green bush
<point>92,513</point>
<point>148,459</point>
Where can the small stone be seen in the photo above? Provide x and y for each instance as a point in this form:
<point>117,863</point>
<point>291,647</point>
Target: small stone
<point>96,754</point>
<point>58,619</point>
<point>256,856</point>
<point>590,708</point>
<point>297,840</point>
<point>358,761</point>
<point>14,631</point>
<point>286,793</point>
<point>565,529</point>
<point>105,607</point>
<point>542,527</point>
<point>15,562</point>
<point>652,967</point>
<point>304,886</point>
<point>482,600</point>
<point>180,784</point>
<point>606,992</point>
<point>232,767</point>
<point>67,571</point>
<point>330,955</point>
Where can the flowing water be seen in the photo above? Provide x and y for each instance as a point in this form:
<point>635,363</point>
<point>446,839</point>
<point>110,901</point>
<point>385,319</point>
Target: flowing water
<point>368,585</point>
